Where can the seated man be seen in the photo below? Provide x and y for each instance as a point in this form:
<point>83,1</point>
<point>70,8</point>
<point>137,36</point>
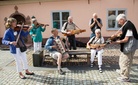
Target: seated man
<point>53,48</point>
<point>98,39</point>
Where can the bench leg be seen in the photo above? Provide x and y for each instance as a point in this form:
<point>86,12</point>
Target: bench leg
<point>88,59</point>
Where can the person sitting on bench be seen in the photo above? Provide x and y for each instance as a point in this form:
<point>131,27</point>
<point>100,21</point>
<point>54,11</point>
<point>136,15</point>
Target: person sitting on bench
<point>53,48</point>
<point>98,39</point>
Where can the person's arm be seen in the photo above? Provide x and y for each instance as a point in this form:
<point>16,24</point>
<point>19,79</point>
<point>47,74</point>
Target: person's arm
<point>32,32</point>
<point>127,36</point>
<point>49,45</point>
<point>91,25</point>
<point>123,40</point>
<point>43,28</point>
<point>88,43</point>
<point>6,40</point>
<point>99,23</point>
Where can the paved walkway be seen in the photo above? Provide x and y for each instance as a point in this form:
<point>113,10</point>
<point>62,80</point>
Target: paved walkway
<point>75,75</point>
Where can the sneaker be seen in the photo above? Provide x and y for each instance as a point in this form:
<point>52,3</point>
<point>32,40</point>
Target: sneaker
<point>92,65</point>
<point>100,70</point>
<point>123,79</point>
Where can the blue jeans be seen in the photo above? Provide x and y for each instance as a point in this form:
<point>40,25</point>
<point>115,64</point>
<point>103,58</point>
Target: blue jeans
<point>92,34</point>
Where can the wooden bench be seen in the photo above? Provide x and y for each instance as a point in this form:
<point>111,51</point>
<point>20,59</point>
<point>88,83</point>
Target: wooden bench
<point>71,52</point>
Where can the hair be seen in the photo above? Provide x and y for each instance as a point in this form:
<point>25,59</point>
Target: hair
<point>53,30</point>
<point>9,22</point>
<point>95,14</point>
<point>70,17</point>
<point>121,16</point>
<point>97,30</point>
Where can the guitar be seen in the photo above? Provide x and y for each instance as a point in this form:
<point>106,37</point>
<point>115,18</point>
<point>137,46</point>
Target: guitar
<point>77,31</point>
<point>94,46</point>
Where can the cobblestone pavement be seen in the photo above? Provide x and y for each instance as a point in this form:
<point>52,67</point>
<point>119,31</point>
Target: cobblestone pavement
<point>75,75</point>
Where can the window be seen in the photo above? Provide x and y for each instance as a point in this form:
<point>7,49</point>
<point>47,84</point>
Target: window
<point>59,18</point>
<point>111,18</point>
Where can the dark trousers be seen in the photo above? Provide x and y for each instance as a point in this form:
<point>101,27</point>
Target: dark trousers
<point>72,42</point>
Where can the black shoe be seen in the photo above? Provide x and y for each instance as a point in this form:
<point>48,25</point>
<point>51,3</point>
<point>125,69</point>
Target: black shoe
<point>75,57</point>
<point>22,77</point>
<point>61,72</point>
<point>70,57</point>
<point>30,73</point>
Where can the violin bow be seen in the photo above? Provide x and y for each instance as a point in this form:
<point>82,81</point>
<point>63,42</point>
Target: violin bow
<point>19,33</point>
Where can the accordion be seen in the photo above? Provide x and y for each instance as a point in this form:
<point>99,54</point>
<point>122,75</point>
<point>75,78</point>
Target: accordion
<point>60,46</point>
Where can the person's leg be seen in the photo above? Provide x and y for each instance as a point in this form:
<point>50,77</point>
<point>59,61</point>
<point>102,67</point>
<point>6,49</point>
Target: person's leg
<point>25,63</point>
<point>92,34</point>
<point>74,44</point>
<point>125,66</point>
<point>58,56</point>
<point>35,46</point>
<point>70,41</point>
<point>39,46</point>
<point>93,52</point>
<point>17,58</point>
<point>99,54</point>
<point>65,56</point>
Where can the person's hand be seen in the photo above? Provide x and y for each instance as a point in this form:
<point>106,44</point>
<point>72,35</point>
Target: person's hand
<point>118,42</point>
<point>95,20</point>
<point>30,28</point>
<point>69,33</point>
<point>13,43</point>
<point>33,35</point>
<point>54,46</point>
<point>46,24</point>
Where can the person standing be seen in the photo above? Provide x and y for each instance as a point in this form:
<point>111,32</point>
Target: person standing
<point>36,33</point>
<point>11,38</point>
<point>95,23</point>
<point>129,34</point>
<point>67,27</point>
<point>53,49</point>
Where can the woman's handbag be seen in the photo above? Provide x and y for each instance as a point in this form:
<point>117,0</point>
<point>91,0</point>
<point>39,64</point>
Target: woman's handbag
<point>23,49</point>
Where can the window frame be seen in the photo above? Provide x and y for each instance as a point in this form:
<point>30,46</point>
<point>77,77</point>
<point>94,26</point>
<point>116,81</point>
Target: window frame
<point>60,18</point>
<point>116,10</point>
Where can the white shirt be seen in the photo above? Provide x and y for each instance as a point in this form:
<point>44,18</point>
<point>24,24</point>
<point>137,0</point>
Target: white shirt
<point>129,33</point>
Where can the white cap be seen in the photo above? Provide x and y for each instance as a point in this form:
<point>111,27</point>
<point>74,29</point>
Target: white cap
<point>97,30</point>
<point>33,20</point>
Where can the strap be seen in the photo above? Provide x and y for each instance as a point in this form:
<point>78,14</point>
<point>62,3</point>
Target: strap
<point>19,33</point>
<point>66,26</point>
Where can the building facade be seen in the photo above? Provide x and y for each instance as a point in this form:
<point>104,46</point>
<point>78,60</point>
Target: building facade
<point>55,13</point>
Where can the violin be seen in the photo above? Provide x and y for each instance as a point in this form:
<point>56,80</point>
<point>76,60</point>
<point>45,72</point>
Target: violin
<point>39,24</point>
<point>18,27</point>
<point>113,38</point>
